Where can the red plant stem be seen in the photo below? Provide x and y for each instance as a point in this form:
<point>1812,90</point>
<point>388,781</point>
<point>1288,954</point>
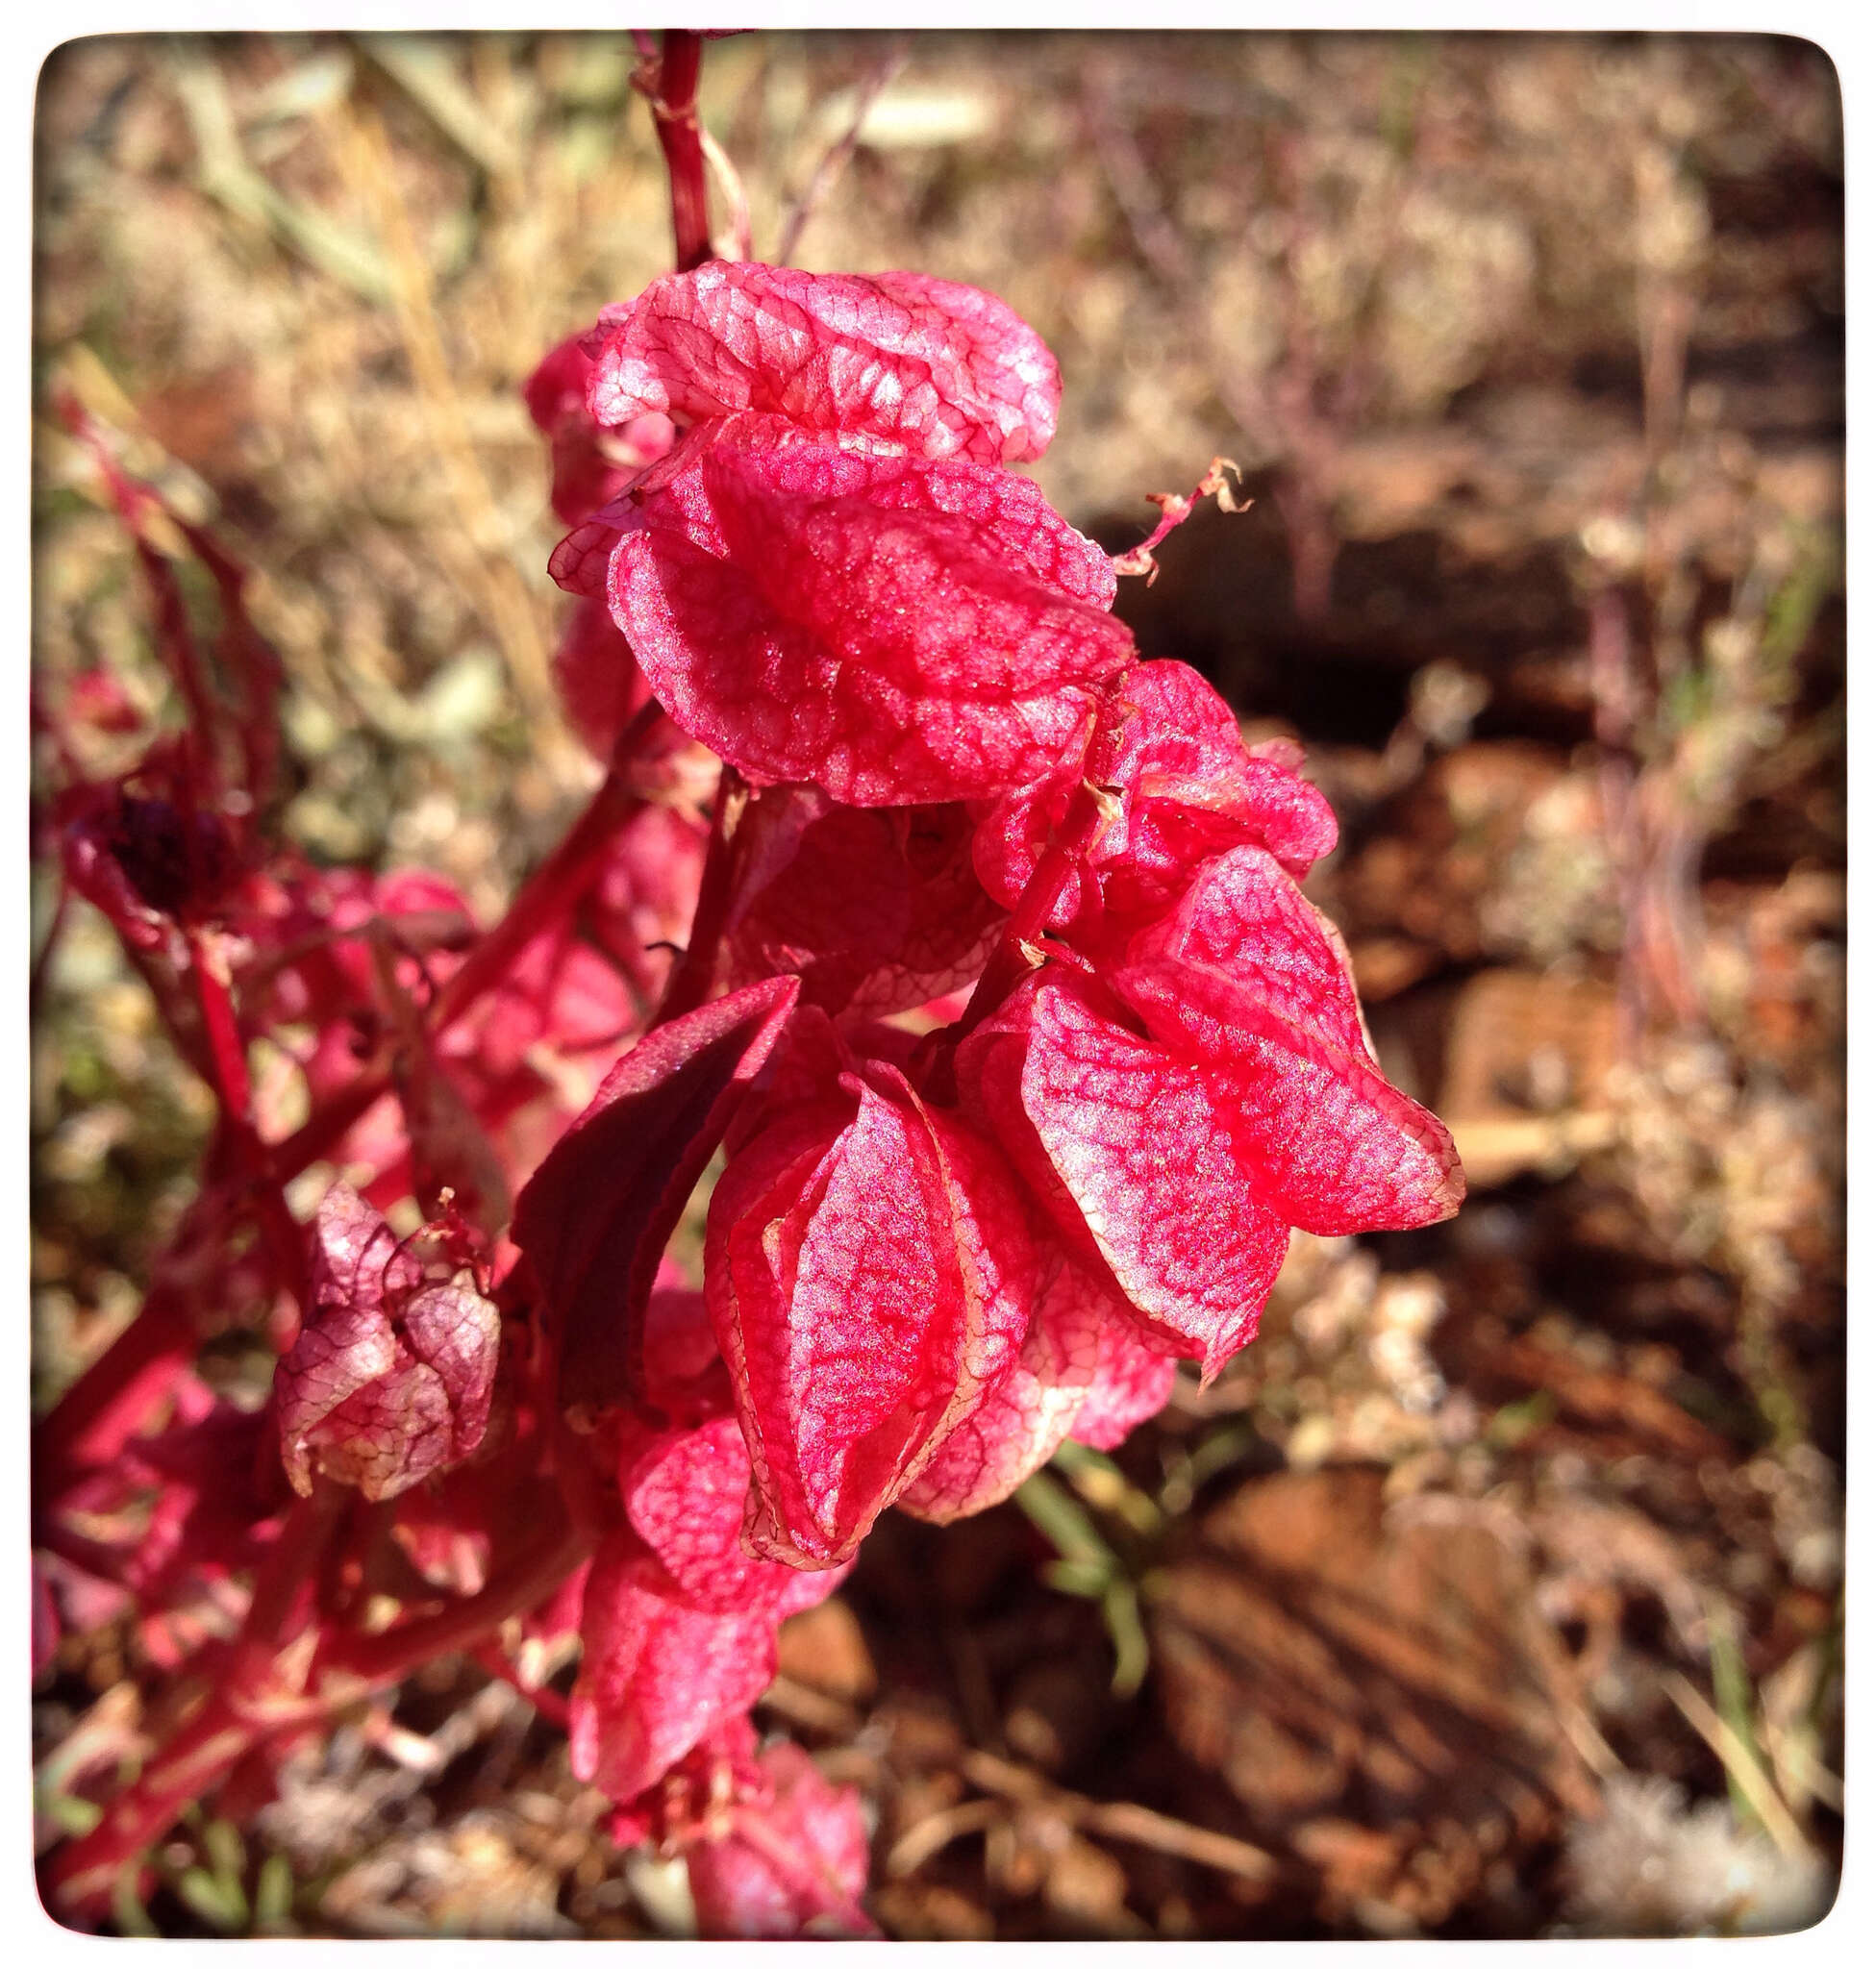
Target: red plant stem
<point>694,975</point>
<point>220,1733</point>
<point>285,1242</point>
<point>174,1006</point>
<point>387,1658</point>
<point>674,116</point>
<point>103,1407</point>
<point>101,1561</point>
<point>248,658</point>
<point>178,645</point>
<point>549,1702</point>
<point>834,160</point>
<point>175,644</point>
<point>227,1062</point>
<point>248,1708</point>
<point>307,1531</point>
<point>79,1881</point>
<point>324,1126</point>
<point>556,884</point>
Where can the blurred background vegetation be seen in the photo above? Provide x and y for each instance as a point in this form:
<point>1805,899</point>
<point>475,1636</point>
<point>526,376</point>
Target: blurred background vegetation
<point>1497,1588</point>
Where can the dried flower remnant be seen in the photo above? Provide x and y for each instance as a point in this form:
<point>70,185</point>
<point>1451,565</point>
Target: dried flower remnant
<point>391,1379</point>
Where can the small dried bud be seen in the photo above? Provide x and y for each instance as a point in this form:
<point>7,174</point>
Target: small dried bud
<point>393,1373</point>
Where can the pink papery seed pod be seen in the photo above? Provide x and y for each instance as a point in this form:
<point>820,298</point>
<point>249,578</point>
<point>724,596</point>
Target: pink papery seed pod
<point>870,1272</point>
<point>1184,786</point>
<point>591,461</point>
<point>392,1376</point>
<point>893,629</point>
<point>1085,1370</point>
<point>876,910</point>
<point>926,367</point>
<point>678,1621</point>
<point>1178,1115</point>
<point>788,1859</point>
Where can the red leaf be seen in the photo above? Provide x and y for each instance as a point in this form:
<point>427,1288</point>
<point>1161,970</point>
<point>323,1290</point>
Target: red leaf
<point>870,1273</point>
<point>390,1377</point>
<point>1212,1092</point>
<point>926,366</point>
<point>595,1218</point>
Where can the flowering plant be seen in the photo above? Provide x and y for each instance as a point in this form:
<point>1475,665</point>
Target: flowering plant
<point>997,990</point>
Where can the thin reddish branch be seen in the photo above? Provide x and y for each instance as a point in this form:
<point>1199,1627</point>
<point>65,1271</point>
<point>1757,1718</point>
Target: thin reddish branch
<point>556,886</point>
<point>835,158</point>
<point>551,1704</point>
<point>248,659</point>
<point>326,1126</point>
<point>256,1702</point>
<point>234,1718</point>
<point>175,644</point>
<point>117,1394</point>
<point>379,1659</point>
<point>227,1058</point>
<point>693,978</point>
<point>672,91</point>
